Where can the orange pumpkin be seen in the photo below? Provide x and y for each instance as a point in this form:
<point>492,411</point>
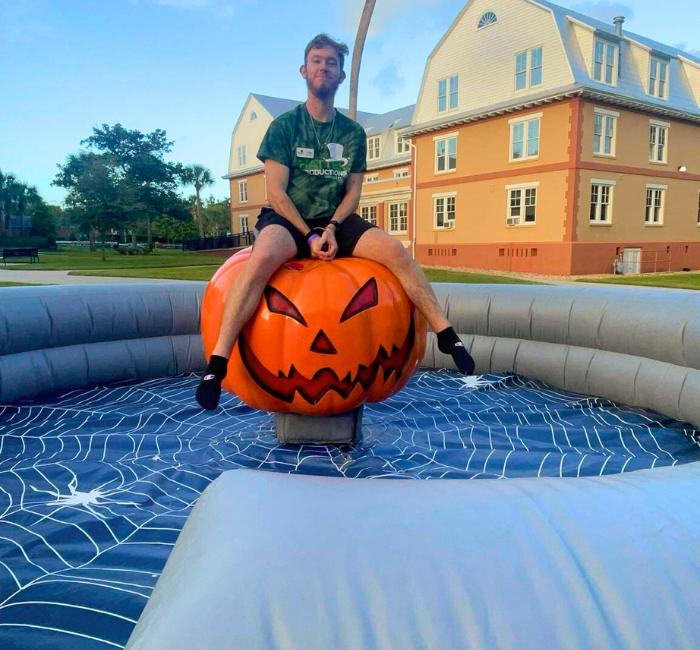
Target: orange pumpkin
<point>326,337</point>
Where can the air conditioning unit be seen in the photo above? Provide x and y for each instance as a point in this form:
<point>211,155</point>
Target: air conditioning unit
<point>512,221</point>
<point>448,225</point>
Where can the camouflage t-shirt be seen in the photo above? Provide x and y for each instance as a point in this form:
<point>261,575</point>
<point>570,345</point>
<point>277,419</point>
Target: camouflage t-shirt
<point>320,156</point>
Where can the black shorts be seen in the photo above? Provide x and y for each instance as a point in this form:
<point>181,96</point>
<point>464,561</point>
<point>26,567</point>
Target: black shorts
<point>352,228</point>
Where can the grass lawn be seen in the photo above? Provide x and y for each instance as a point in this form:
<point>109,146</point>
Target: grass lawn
<point>441,275</point>
<point>205,273</point>
<point>81,259</point>
<point>165,273</point>
<point>670,280</point>
<point>19,284</point>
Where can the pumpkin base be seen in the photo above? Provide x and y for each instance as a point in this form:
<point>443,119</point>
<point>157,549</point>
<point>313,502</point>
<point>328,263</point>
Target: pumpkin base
<point>340,429</point>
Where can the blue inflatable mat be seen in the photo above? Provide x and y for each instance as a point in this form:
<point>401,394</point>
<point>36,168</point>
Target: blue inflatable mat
<point>96,485</point>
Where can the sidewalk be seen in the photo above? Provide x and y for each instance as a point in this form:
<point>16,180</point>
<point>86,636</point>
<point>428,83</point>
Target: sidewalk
<point>62,277</point>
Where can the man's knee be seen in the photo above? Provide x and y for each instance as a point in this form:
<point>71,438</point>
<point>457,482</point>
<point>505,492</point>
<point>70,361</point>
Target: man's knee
<point>273,248</point>
<point>395,253</point>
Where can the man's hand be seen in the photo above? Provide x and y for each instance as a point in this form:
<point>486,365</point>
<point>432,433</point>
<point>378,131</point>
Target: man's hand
<point>325,247</point>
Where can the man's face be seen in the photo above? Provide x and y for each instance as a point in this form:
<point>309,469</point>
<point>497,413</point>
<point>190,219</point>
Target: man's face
<point>322,72</point>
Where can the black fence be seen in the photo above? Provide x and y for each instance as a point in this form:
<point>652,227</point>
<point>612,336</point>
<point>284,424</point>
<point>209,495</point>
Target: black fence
<point>210,243</point>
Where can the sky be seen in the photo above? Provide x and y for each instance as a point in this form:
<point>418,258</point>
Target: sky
<point>187,66</point>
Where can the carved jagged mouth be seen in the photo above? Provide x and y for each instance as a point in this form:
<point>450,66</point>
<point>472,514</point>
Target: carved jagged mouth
<point>324,380</point>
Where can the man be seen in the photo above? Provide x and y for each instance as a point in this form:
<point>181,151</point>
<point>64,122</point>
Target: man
<point>315,159</point>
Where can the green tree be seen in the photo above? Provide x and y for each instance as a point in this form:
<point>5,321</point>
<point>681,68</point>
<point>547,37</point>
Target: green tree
<point>174,230</point>
<point>199,177</point>
<point>22,201</point>
<point>100,196</point>
<point>216,216</point>
<point>10,190</point>
<point>139,159</point>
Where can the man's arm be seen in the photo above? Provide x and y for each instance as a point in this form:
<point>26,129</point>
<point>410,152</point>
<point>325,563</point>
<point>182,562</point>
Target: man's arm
<point>353,190</point>
<point>276,180</point>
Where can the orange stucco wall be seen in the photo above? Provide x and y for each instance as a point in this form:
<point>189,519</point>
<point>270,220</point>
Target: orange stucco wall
<point>256,200</point>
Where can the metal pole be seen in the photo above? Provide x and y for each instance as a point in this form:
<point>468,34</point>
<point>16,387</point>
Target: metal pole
<point>357,55</point>
<point>414,174</point>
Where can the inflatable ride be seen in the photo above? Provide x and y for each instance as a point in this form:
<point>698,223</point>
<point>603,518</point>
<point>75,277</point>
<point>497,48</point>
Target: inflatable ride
<point>105,455</point>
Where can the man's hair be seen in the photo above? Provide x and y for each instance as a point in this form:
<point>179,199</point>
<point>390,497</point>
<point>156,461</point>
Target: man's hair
<point>323,40</point>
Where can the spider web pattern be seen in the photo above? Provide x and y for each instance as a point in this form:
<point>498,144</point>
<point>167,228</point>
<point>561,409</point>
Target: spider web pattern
<point>95,485</point>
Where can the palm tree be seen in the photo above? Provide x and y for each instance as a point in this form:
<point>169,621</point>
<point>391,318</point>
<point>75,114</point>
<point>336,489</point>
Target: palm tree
<point>10,192</point>
<point>198,176</point>
<point>27,197</point>
<point>357,54</point>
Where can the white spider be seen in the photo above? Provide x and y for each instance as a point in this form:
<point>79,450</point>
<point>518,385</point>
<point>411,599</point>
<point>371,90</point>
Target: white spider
<point>85,499</point>
<point>474,381</point>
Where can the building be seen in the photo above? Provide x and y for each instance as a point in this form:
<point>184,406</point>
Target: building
<point>386,198</point>
<point>574,147</point>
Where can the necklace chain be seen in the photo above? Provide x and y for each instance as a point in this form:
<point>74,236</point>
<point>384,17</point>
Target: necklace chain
<point>330,133</point>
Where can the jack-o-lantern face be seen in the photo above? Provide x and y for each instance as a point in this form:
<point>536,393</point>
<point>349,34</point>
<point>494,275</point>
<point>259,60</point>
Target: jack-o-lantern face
<point>326,337</point>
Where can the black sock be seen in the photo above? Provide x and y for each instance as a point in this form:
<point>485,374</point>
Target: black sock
<point>450,343</point>
<point>209,389</point>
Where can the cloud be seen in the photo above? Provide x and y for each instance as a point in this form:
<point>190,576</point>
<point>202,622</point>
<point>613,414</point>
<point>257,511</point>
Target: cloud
<point>389,80</point>
<point>604,10</point>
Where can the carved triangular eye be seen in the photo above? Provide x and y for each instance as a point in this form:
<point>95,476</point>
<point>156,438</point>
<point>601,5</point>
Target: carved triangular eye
<point>278,303</point>
<point>366,297</point>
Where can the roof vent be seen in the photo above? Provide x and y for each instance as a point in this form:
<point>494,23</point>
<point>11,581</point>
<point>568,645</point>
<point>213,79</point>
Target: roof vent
<point>618,20</point>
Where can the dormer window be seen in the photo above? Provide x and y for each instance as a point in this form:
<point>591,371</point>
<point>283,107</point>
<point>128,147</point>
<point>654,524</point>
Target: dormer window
<point>374,147</point>
<point>528,68</point>
<point>605,62</point>
<point>448,94</point>
<point>489,18</point>
<point>658,77</point>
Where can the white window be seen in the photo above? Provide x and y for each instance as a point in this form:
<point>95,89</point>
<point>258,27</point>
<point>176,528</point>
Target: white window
<point>604,128</point>
<point>605,62</point>
<point>398,217</point>
<point>522,205</point>
<point>369,213</point>
<point>658,77</point>
<point>448,94</point>
<point>658,140</point>
<point>242,191</point>
<point>374,147</point>
<point>372,178</point>
<point>401,173</point>
<point>444,210</point>
<point>525,137</point>
<point>241,155</point>
<point>656,198</point>
<point>445,154</point>
<point>402,144</point>
<point>528,68</point>
<point>601,201</point>
<point>243,221</point>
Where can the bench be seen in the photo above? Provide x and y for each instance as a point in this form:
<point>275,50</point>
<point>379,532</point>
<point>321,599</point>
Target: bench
<point>31,253</point>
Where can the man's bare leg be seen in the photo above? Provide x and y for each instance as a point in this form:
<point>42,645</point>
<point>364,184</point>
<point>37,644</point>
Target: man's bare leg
<point>273,247</point>
<point>376,245</point>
